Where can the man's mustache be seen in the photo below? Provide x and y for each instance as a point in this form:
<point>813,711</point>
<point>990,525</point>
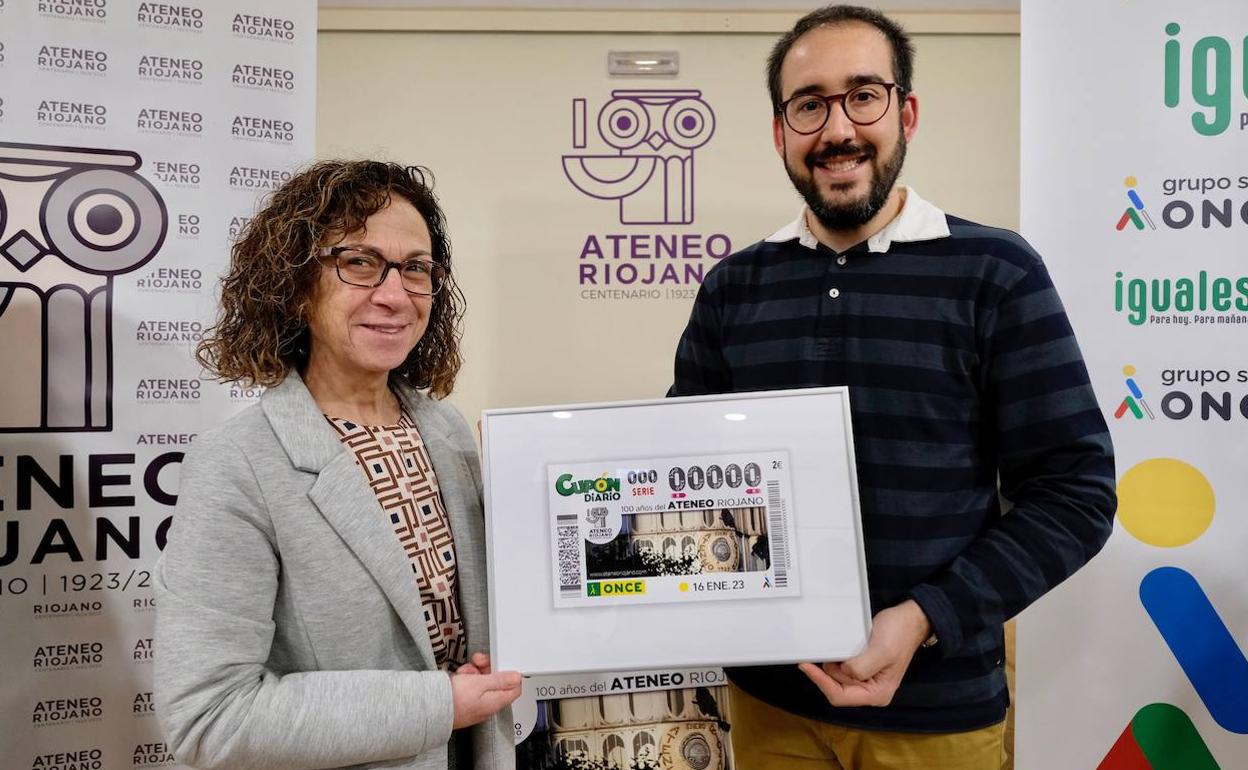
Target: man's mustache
<point>836,151</point>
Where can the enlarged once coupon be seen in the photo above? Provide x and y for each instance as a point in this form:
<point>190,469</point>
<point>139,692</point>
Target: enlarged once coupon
<point>676,529</point>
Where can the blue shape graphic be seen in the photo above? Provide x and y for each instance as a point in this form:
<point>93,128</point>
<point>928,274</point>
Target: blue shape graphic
<point>1201,644</point>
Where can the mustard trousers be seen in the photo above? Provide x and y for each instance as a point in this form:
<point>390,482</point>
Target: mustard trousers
<point>767,738</point>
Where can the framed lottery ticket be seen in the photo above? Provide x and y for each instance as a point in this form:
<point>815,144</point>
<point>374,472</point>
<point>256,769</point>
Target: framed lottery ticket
<point>715,530</point>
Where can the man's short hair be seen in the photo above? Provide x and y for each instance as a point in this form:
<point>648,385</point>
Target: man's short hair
<point>903,48</point>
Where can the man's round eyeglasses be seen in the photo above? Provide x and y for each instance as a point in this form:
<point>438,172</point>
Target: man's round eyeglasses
<point>864,105</point>
<point>362,267</point>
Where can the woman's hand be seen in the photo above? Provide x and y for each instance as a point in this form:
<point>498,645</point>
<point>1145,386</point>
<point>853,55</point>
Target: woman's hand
<point>479,663</point>
<point>478,693</point>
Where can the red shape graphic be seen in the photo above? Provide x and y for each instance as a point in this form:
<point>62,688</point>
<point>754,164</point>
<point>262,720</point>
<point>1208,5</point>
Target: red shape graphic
<point>1125,754</point>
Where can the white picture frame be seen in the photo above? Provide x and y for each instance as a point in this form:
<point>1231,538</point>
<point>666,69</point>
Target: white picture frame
<point>829,618</point>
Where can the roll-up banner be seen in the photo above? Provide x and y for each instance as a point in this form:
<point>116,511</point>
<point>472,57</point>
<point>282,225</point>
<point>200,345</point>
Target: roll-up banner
<point>642,240</point>
<point>135,141</point>
<point>1135,191</point>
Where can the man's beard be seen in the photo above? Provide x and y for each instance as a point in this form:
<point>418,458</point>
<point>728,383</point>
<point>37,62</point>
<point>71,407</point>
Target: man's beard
<point>855,213</point>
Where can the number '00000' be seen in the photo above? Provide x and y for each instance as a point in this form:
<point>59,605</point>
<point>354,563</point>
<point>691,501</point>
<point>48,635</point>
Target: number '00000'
<point>714,476</point>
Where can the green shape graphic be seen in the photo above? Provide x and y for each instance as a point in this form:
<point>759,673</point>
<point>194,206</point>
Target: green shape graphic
<point>1135,219</point>
<point>1169,739</point>
<point>593,589</point>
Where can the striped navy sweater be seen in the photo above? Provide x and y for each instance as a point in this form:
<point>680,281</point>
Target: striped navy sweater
<point>963,373</point>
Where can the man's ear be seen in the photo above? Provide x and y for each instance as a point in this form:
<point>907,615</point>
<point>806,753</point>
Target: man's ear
<point>910,116</point>
<point>777,134</point>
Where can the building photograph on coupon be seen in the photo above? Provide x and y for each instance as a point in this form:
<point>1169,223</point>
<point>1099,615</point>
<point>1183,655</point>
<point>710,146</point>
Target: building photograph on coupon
<point>688,542</point>
<point>679,729</point>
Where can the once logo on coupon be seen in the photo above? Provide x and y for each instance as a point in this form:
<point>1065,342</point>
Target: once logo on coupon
<point>64,58</point>
<point>1198,300</point>
<point>71,220</point>
<point>151,755</point>
<point>1212,80</point>
<point>615,587</point>
<point>77,759</point>
<point>601,488</point>
<point>263,27</point>
<point>53,657</point>
<point>62,710</point>
<point>85,10</point>
<point>171,16</point>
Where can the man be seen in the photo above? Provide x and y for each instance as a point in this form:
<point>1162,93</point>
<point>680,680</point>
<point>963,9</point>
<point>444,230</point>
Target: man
<point>963,372</point>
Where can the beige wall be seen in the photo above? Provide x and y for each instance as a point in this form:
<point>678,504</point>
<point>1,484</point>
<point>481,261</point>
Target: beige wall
<point>489,112</point>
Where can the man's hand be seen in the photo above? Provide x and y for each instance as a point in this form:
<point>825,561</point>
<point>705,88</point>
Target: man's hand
<point>871,677</point>
<point>478,693</point>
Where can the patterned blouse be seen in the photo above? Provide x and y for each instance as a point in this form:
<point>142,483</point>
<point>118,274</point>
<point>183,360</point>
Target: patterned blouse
<point>394,460</point>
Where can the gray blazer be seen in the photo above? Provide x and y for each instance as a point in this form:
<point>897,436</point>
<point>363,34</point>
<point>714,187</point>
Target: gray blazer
<point>289,630</point>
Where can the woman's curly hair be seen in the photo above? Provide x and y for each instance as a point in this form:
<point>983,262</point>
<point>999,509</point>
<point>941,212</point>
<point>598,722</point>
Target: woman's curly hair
<point>261,332</point>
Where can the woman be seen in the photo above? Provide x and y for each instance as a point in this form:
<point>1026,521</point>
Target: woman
<point>322,597</point>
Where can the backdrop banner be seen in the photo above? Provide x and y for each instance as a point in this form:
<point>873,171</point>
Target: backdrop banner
<point>1135,191</point>
<point>135,139</point>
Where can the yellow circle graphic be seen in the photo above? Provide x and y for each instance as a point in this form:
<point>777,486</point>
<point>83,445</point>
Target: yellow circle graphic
<point>684,587</point>
<point>1129,181</point>
<point>1165,502</point>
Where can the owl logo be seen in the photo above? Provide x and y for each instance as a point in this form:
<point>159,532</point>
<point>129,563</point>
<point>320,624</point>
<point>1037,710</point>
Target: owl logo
<point>652,135</point>
<point>71,219</point>
<point>596,517</point>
